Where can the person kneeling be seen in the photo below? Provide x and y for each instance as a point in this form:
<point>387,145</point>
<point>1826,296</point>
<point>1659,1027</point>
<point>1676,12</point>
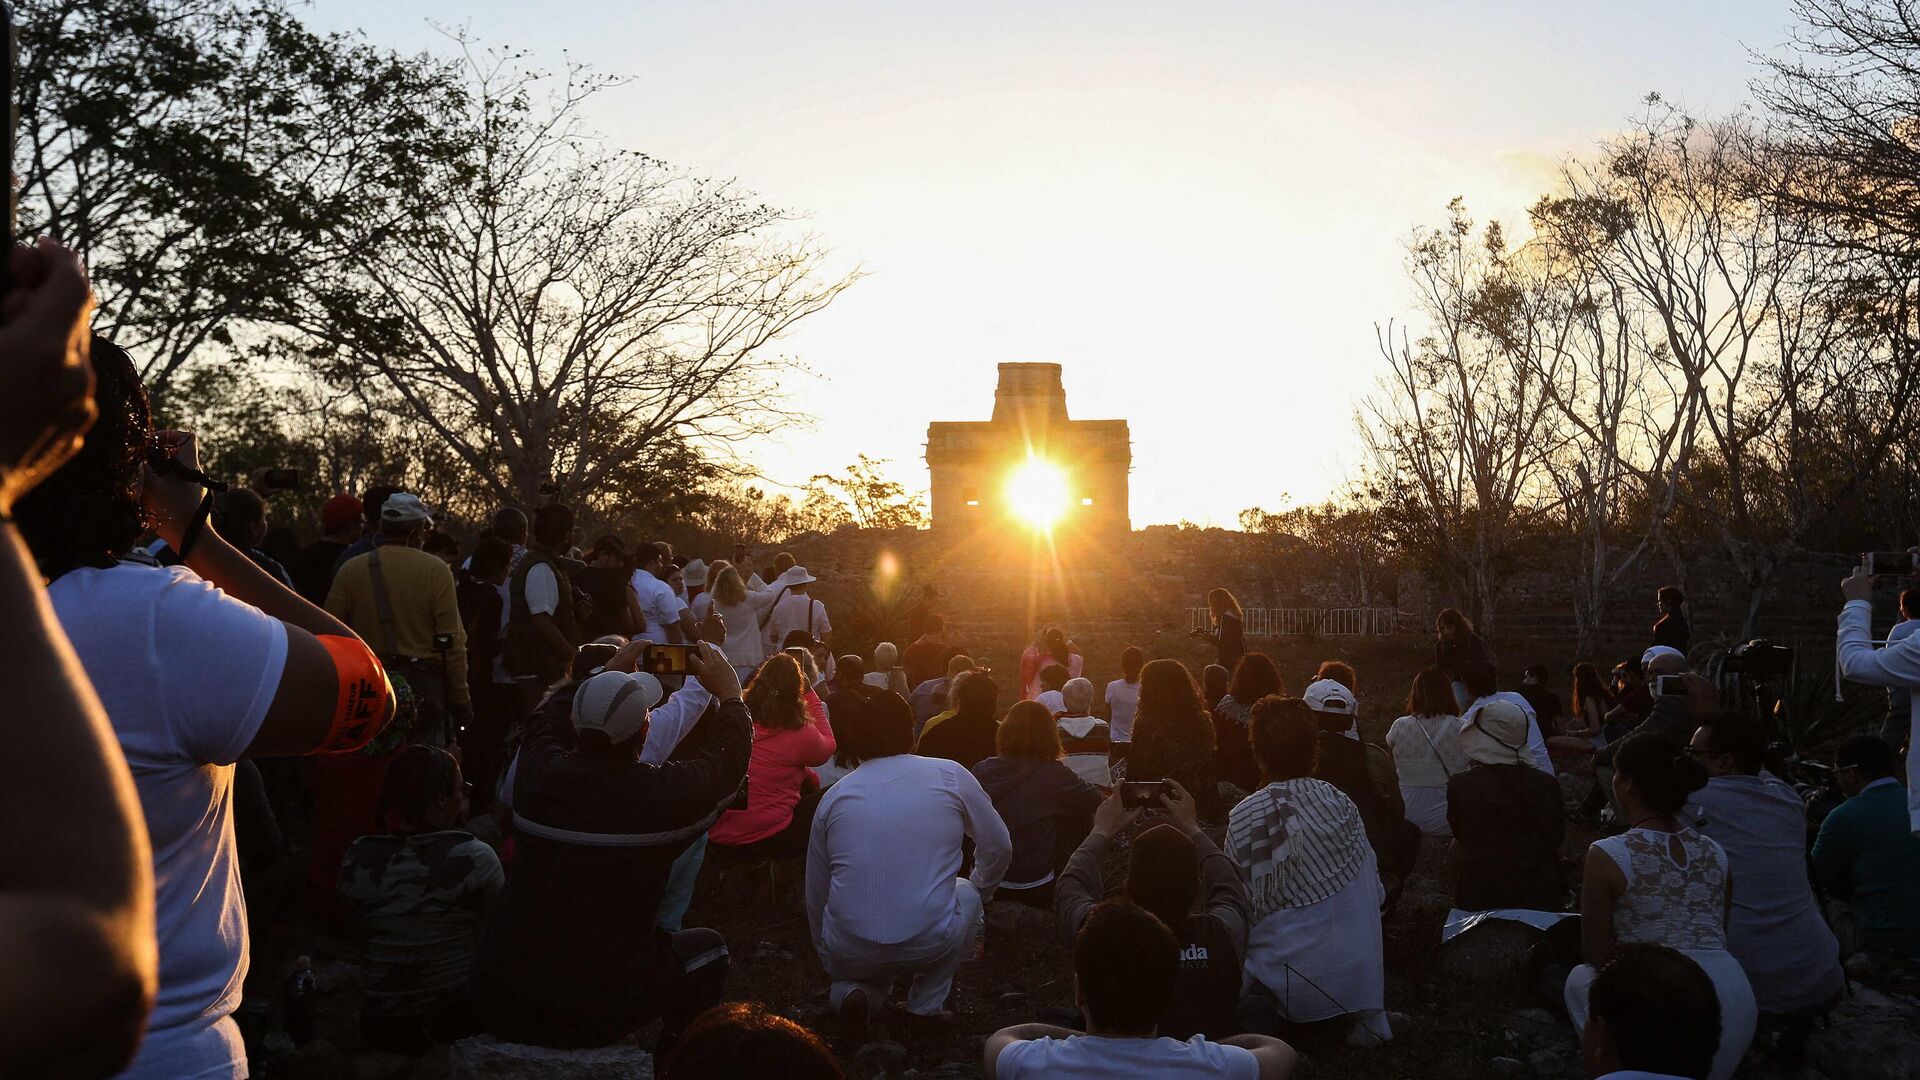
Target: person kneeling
<point>1125,965</point>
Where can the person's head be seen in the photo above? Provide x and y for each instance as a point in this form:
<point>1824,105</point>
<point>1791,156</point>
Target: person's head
<point>444,547</point>
<point>886,656</point>
<point>1254,677</point>
<point>1587,685</point>
<point>1132,659</point>
<point>676,578</point>
<point>1534,674</point>
<point>1651,1010</point>
<point>492,560</point>
<point>1163,873</point>
<point>1729,743</point>
<point>1626,675</point>
<point>850,669</point>
<point>1168,696</point>
<point>666,552</point>
<point>1214,680</point>
<point>782,562</point>
<point>1053,642</point>
<point>1339,671</point>
<point>958,664</point>
<point>743,1041</point>
<point>553,527</point>
<point>1910,603</point>
<point>1451,624</point>
<point>610,712</point>
<point>240,515</point>
<point>1862,759</point>
<point>976,694</point>
<point>648,556</point>
<point>936,629</point>
<point>1663,660</point>
<point>87,512</point>
<point>1334,706</point>
<point>422,793</point>
<point>340,518</point>
<point>1479,678</point>
<point>609,552</point>
<point>372,501</point>
<point>1077,696</point>
<point>1028,731</point>
<point>879,725</point>
<point>1285,736</point>
<point>1669,599</point>
<point>1221,602</point>
<point>803,655</point>
<point>404,520</point>
<point>729,588</point>
<point>1652,775</point>
<point>510,524</point>
<point>1054,676</point>
<point>1431,694</point>
<point>1125,963</point>
<point>775,694</point>
<point>1497,735</point>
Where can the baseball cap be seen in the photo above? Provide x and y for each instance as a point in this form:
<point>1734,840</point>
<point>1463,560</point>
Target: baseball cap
<point>615,702</point>
<point>404,509</point>
<point>1327,696</point>
<point>339,512</point>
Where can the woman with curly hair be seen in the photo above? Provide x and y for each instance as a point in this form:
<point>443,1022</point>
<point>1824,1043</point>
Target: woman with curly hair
<point>1253,678</point>
<point>789,739</point>
<point>1173,734</point>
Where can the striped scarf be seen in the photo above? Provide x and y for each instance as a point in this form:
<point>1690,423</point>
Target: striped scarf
<point>1297,842</point>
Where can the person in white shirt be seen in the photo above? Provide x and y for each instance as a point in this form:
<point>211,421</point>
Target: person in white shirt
<point>1896,667</point>
<point>1652,1015</point>
<point>1086,740</point>
<point>794,610</point>
<point>1483,686</point>
<point>1125,964</point>
<point>1123,697</point>
<point>1426,751</point>
<point>884,897</point>
<point>665,612</point>
<point>741,605</point>
<point>887,674</point>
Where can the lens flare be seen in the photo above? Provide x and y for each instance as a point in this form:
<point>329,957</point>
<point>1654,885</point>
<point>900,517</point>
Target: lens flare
<point>1037,493</point>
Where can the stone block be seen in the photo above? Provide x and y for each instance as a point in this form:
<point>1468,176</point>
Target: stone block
<point>485,1058</point>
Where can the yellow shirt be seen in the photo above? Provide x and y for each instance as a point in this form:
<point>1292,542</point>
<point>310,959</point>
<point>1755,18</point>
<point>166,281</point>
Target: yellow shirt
<point>421,592</point>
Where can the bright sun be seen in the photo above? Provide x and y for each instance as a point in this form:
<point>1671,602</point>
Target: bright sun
<point>1037,493</point>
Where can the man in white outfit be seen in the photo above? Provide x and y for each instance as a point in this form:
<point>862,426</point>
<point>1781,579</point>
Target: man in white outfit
<point>1896,667</point>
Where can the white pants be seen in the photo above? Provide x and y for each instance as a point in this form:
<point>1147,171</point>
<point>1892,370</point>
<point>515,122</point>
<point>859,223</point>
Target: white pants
<point>932,959</point>
<point>1738,1013</point>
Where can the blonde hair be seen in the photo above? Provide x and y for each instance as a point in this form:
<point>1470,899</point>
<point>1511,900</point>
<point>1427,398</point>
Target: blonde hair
<point>726,586</point>
<point>886,656</point>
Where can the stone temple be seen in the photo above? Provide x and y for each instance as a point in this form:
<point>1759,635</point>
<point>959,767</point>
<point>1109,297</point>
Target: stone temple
<point>972,461</point>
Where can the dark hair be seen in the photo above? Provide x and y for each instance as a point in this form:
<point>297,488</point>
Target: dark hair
<point>646,552</point>
<point>375,497</point>
<point>1432,694</point>
<point>743,1041</point>
<point>977,694</point>
<point>510,524</point>
<point>776,695</point>
<point>1661,772</point>
<point>1870,755</point>
<point>935,624</point>
<point>490,556</point>
<point>1480,678</point>
<point>552,524</point>
<point>1669,595</point>
<point>1028,731</point>
<point>1170,711</point>
<point>1054,676</point>
<point>87,512</point>
<point>1163,874</point>
<point>1588,684</point>
<point>1285,735</point>
<point>1738,735</point>
<point>439,542</point>
<point>850,668</point>
<point>1254,677</point>
<point>417,778</point>
<point>1660,1008</point>
<point>1536,672</point>
<point>1055,640</point>
<point>1125,962</point>
<point>1131,661</point>
<point>879,725</point>
<point>797,639</point>
<point>1910,603</point>
<point>1339,671</point>
<point>1452,618</point>
<point>237,508</point>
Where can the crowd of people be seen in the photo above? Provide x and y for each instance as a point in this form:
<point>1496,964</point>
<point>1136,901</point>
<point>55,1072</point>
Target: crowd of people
<point>613,716</point>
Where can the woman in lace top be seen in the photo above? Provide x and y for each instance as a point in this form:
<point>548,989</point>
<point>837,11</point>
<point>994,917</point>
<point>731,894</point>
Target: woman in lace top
<point>1663,884</point>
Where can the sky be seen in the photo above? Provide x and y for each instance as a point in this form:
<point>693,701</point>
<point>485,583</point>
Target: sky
<point>1199,209</point>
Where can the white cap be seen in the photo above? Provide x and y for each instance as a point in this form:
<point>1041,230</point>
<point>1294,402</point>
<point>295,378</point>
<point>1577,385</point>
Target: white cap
<point>615,702</point>
<point>1327,696</point>
<point>1657,652</point>
<point>404,509</point>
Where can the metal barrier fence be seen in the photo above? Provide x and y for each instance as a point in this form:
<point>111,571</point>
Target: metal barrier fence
<point>1320,622</point>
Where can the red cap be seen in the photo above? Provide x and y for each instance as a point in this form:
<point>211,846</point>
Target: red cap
<point>340,512</point>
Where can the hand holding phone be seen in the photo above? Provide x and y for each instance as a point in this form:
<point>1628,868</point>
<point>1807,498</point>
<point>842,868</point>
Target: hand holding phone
<point>1143,794</point>
<point>665,659</point>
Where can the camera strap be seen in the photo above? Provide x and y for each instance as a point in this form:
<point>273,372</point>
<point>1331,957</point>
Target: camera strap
<point>383,605</point>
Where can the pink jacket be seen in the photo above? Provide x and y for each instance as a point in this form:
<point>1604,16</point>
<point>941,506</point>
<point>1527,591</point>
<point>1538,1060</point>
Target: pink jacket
<point>779,765</point>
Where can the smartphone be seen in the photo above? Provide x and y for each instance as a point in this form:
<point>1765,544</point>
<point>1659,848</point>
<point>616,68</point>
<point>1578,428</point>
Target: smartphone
<point>1671,685</point>
<point>1890,563</point>
<point>659,659</point>
<point>1135,794</point>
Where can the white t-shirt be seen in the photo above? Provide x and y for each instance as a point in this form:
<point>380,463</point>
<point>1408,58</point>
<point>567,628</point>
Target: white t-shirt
<point>1123,698</point>
<point>1093,1057</point>
<point>543,590</point>
<point>658,604</point>
<point>793,612</point>
<point>186,674</point>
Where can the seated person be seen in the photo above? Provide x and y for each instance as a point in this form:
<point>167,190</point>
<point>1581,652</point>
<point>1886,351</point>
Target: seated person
<point>1166,869</point>
<point>1483,686</point>
<point>743,1041</point>
<point>1126,964</point>
<point>1315,952</point>
<point>966,734</point>
<point>1652,1016</point>
<point>1254,677</point>
<point>1345,762</point>
<point>886,673</point>
<point>1053,679</point>
<point>1083,737</point>
<point>1046,806</point>
<point>884,896</point>
<point>1426,751</point>
<point>572,957</point>
<point>1507,819</point>
<point>418,894</point>
<point>787,742</point>
<point>1867,859</point>
<point>1546,704</point>
<point>1775,928</point>
<point>935,696</point>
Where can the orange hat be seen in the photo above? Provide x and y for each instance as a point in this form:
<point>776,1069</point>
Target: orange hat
<point>339,512</point>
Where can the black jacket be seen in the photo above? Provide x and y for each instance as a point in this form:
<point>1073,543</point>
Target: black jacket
<point>1508,823</point>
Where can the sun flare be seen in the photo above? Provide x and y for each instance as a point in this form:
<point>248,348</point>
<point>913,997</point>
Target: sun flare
<point>1037,493</point>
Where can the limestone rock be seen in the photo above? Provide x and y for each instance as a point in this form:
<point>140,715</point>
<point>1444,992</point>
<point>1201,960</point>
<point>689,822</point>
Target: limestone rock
<point>484,1058</point>
<point>1494,953</point>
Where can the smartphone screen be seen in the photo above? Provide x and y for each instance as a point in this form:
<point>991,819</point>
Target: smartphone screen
<point>1137,793</point>
<point>662,659</point>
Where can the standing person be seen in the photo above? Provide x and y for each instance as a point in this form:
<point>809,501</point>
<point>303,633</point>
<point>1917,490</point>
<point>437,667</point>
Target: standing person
<point>1051,647</point>
<point>921,615</point>
<point>884,896</point>
<point>1671,628</point>
<point>542,629</point>
<point>694,578</point>
<point>312,568</point>
<point>1426,751</point>
<point>1046,807</point>
<point>1172,735</point>
<point>1506,818</point>
<point>788,741</point>
<point>927,656</point>
<point>614,610</point>
<point>197,665</point>
<point>483,740</point>
<point>1123,699</point>
<point>574,957</point>
<point>77,937</point>
<point>241,516</point>
<point>667,616</point>
<point>1455,646</point>
<point>1896,667</point>
<point>742,608</point>
<point>371,500</point>
<point>1254,678</point>
<point>1225,628</point>
<point>1661,883</point>
<point>418,890</point>
<point>971,733</point>
<point>795,610</point>
<point>1774,928</point>
<point>1893,729</point>
<point>1867,859</point>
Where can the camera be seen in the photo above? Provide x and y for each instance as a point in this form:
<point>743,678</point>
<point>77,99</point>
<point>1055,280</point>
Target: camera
<point>1135,794</point>
<point>1671,685</point>
<point>1890,563</point>
<point>1760,658</point>
<point>663,659</point>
